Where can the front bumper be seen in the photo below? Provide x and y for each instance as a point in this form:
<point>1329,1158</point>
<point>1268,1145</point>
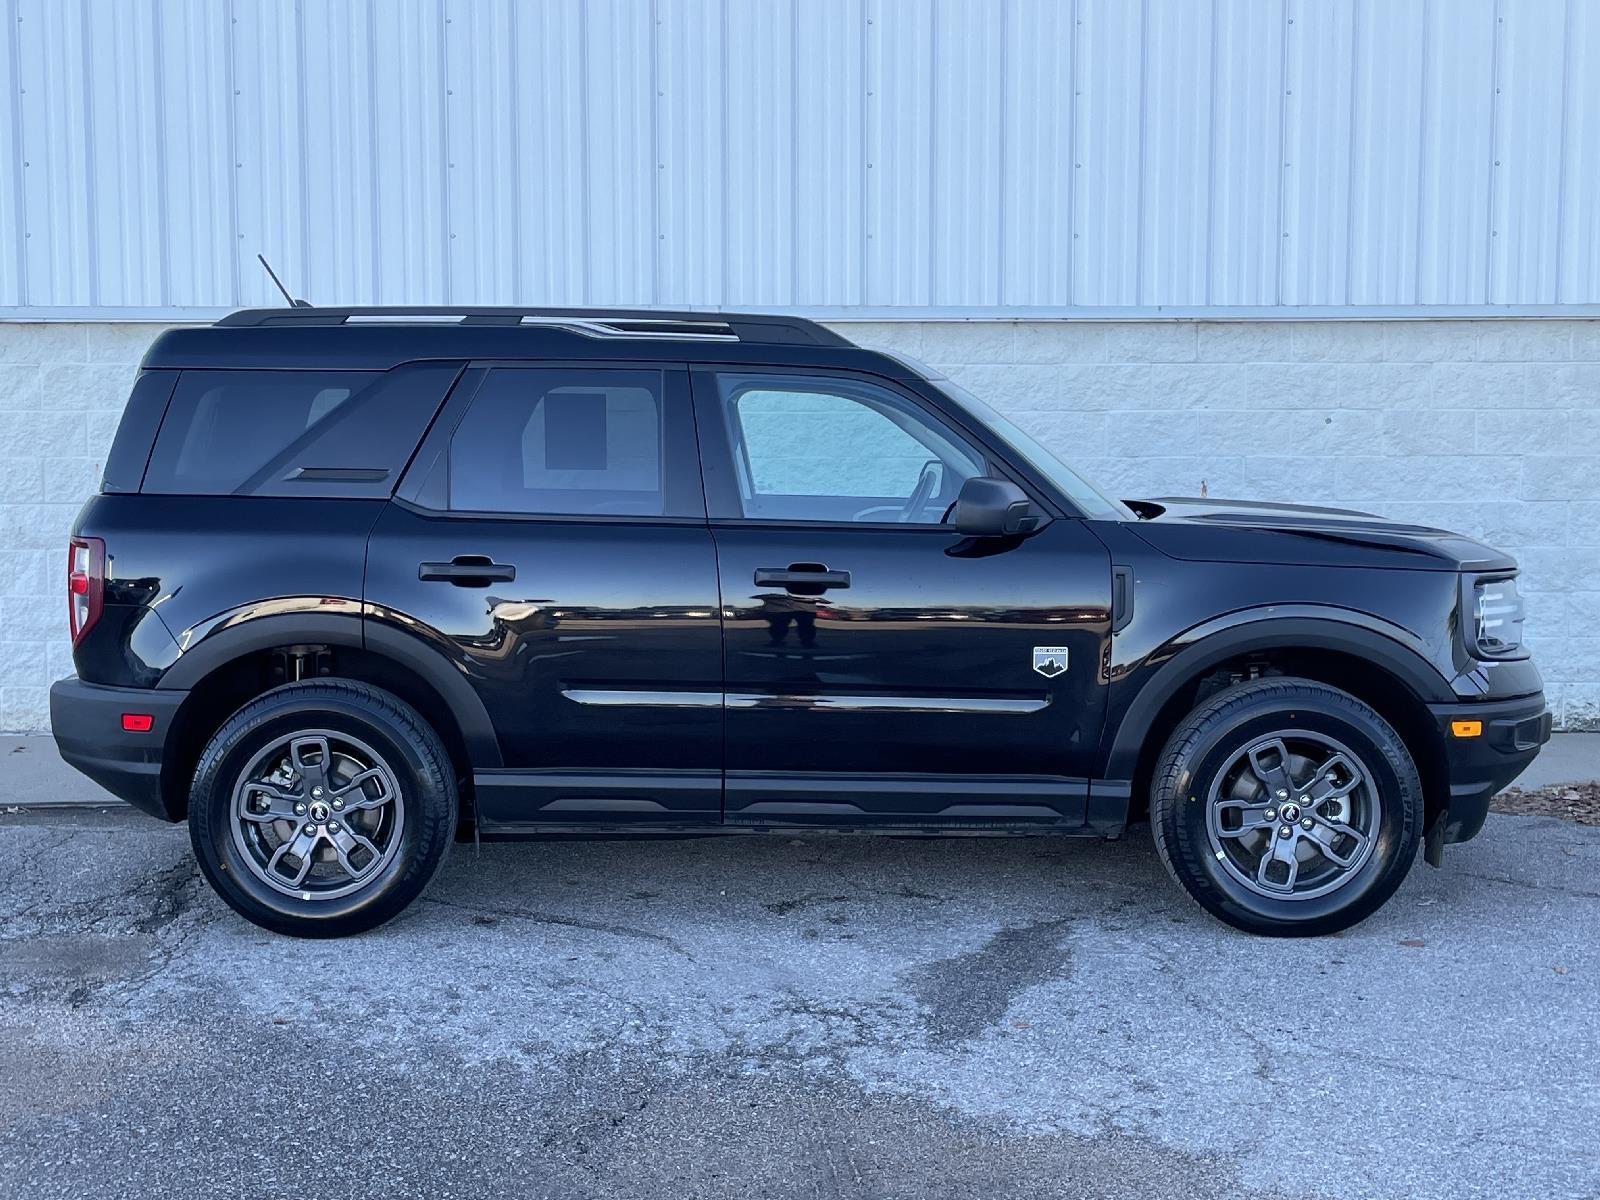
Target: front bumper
<point>86,719</point>
<point>1478,767</point>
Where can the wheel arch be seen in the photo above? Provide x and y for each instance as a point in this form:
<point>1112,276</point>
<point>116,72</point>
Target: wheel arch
<point>236,662</point>
<point>1386,670</point>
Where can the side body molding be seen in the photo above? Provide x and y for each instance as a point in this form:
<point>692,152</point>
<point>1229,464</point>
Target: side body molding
<point>1195,651</point>
<point>229,639</point>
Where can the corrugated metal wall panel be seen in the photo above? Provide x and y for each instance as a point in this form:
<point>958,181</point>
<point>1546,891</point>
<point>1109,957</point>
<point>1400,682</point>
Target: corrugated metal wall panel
<point>759,184</point>
<point>968,65</point>
<point>690,111</point>
<point>1529,80</point>
<point>59,177</point>
<point>481,178</point>
<point>829,152</point>
<point>199,233</point>
<point>1173,238</point>
<point>1008,156</point>
<point>1385,167</point>
<point>12,233</point>
<point>1580,164</point>
<point>619,132</point>
<point>1037,83</point>
<point>1246,181</point>
<point>899,152</point>
<point>1319,98</point>
<point>1458,101</point>
<point>1108,148</point>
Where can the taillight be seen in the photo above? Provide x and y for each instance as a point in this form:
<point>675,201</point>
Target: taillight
<point>86,584</point>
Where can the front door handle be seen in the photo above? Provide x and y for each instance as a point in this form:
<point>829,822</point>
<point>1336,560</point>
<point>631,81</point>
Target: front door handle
<point>810,577</point>
<point>467,570</point>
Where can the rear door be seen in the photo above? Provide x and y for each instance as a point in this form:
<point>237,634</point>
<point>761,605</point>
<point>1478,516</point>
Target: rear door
<point>551,539</point>
<point>880,666</point>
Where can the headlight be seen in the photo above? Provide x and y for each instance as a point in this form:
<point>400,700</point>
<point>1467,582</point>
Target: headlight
<point>1497,617</point>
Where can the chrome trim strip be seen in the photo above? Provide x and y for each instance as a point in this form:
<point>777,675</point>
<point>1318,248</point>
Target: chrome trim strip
<point>925,704</point>
<point>624,698</point>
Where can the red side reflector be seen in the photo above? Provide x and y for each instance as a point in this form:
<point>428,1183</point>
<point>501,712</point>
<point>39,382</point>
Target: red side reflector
<point>138,722</point>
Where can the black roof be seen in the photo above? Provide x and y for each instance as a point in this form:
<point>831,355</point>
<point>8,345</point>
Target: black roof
<point>380,338</point>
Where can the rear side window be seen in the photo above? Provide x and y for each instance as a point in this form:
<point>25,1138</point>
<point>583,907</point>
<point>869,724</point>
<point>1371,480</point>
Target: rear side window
<point>561,442</point>
<point>293,433</point>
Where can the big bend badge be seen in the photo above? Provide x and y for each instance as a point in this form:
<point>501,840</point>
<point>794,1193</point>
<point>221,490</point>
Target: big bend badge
<point>1049,661</point>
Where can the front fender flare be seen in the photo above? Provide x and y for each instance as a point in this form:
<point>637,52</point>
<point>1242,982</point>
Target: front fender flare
<point>1195,651</point>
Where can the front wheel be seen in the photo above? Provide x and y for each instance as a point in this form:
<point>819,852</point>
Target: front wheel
<point>1287,807</point>
<point>321,809</point>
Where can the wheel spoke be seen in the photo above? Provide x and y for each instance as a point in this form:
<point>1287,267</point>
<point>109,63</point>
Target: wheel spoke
<point>279,802</point>
<point>300,847</point>
<point>354,793</point>
<point>1324,784</point>
<point>1252,816</point>
<point>345,840</point>
<point>1328,835</point>
<point>1280,851</point>
<point>311,758</point>
<point>1274,776</point>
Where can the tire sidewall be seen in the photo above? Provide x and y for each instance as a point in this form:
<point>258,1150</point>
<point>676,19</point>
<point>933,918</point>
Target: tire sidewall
<point>422,793</point>
<point>1392,773</point>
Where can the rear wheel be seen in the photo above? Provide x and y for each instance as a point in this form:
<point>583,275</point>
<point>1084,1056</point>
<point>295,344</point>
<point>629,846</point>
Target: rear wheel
<point>1287,807</point>
<point>322,808</point>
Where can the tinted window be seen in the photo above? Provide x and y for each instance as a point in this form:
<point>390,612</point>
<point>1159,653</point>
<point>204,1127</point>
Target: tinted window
<point>561,442</point>
<point>223,429</point>
<point>840,450</point>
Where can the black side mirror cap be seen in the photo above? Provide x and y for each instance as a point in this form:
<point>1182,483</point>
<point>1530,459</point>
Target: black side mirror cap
<point>995,508</point>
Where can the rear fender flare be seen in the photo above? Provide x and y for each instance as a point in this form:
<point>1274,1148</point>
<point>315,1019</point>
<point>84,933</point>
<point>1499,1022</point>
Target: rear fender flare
<point>240,634</point>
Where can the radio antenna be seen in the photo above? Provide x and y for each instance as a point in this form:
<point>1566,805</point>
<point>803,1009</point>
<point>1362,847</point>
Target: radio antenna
<point>293,303</point>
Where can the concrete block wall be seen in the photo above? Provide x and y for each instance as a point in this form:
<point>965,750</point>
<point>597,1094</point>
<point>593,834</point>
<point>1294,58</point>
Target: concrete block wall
<point>1491,428</point>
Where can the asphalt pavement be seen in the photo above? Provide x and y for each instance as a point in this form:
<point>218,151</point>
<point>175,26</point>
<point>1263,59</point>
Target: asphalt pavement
<point>795,1017</point>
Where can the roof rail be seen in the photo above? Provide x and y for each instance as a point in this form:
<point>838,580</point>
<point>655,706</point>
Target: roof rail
<point>588,322</point>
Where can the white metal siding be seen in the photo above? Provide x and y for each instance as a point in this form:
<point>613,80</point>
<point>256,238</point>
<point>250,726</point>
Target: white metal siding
<point>1027,157</point>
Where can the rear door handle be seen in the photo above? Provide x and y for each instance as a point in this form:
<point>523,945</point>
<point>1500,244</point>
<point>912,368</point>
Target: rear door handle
<point>467,570</point>
<point>811,576</point>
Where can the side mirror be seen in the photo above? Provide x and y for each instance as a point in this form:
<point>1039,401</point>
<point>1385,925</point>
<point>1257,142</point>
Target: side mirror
<point>995,508</point>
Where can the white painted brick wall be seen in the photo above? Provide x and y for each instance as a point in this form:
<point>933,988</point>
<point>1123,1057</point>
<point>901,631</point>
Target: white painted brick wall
<point>1491,428</point>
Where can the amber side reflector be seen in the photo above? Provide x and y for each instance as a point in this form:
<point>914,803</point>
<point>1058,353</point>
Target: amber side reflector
<point>1466,728</point>
<point>138,722</point>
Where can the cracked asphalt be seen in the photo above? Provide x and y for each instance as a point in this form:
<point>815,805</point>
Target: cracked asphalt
<point>816,1017</point>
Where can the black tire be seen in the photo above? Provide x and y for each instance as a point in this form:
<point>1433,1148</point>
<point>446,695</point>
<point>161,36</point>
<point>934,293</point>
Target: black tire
<point>1191,788</point>
<point>422,811</point>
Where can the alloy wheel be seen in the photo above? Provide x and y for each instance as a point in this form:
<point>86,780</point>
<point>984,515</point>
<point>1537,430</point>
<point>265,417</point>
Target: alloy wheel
<point>317,814</point>
<point>1293,815</point>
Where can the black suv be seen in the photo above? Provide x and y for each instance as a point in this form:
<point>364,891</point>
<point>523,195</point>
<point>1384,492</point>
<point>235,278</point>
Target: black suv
<point>360,581</point>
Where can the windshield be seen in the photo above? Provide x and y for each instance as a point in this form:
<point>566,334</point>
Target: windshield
<point>1094,503</point>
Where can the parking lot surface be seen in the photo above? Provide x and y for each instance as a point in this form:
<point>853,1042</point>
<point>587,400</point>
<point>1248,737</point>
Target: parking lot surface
<point>774,1016</point>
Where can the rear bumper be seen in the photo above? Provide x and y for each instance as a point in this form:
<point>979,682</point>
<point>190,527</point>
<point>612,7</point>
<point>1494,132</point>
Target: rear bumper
<point>1513,732</point>
<point>86,720</point>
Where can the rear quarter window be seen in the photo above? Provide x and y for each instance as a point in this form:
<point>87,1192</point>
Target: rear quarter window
<point>293,433</point>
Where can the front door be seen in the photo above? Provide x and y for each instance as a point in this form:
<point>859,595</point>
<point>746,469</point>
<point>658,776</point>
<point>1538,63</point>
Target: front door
<point>551,540</point>
<point>879,666</point>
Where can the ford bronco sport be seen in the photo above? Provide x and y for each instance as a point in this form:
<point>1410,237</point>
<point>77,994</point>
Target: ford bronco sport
<point>360,581</point>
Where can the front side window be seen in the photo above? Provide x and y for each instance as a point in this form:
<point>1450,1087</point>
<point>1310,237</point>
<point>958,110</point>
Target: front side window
<point>561,442</point>
<point>840,450</point>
